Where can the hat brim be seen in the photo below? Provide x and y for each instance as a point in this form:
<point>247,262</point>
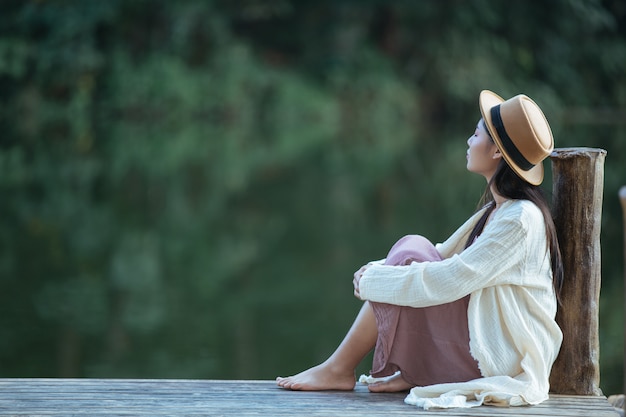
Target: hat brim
<point>487,100</point>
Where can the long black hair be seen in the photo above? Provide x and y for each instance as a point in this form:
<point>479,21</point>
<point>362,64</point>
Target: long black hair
<point>511,186</point>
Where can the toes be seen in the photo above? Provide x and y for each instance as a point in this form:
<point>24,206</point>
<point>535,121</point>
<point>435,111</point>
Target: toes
<point>376,387</point>
<point>393,385</point>
<point>286,383</point>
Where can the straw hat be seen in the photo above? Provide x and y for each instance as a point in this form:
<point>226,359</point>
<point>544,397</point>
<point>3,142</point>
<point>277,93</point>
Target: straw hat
<point>520,131</point>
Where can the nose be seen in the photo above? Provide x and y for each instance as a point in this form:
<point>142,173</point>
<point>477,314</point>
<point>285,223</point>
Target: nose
<point>469,140</point>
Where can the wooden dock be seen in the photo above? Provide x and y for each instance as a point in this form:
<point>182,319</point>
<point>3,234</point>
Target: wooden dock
<point>134,397</point>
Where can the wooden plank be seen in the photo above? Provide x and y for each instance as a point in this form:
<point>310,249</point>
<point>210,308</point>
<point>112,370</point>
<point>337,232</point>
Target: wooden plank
<point>114,397</point>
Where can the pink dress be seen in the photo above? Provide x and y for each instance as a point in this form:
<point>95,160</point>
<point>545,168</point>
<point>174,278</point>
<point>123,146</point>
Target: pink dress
<point>428,345</point>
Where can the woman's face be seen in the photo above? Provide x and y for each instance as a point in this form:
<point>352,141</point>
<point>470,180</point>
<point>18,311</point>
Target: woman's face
<point>483,155</point>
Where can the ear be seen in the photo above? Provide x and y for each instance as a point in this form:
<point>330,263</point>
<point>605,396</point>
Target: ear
<point>497,154</point>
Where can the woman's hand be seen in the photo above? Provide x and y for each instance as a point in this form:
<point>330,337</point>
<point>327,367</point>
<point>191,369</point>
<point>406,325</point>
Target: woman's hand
<point>357,278</point>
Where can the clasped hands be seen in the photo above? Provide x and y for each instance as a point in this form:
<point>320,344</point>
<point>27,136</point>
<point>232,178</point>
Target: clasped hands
<point>357,279</point>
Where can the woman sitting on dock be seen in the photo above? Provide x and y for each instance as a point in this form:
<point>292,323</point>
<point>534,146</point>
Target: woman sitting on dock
<point>472,318</point>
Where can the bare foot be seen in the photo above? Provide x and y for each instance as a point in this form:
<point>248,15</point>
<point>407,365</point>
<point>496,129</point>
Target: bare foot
<point>395,384</point>
<point>319,378</point>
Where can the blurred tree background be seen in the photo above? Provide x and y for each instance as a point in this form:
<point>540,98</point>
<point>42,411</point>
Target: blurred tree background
<point>187,187</point>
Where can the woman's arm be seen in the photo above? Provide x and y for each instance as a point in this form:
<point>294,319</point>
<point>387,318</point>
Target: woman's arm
<point>495,258</point>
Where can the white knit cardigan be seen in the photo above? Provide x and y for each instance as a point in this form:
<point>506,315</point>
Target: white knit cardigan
<point>513,334</point>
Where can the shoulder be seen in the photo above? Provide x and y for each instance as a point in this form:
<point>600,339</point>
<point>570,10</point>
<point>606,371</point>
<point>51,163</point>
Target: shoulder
<point>524,212</point>
<point>521,209</point>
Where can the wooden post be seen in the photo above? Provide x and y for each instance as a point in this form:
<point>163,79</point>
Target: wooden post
<point>578,179</point>
<point>622,197</point>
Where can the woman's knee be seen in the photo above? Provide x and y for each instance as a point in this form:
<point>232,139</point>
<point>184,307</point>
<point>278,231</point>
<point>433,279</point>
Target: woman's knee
<point>412,248</point>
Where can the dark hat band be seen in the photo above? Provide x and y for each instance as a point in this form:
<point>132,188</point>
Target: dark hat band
<point>507,143</point>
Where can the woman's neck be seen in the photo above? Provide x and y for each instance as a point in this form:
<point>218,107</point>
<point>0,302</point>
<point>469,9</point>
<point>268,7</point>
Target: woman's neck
<point>499,201</point>
<point>497,198</point>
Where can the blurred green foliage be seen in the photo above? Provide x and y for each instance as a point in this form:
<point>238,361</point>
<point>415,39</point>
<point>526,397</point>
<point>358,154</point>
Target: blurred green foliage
<point>188,186</point>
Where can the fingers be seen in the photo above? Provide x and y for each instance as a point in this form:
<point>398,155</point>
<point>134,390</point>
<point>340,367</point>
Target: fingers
<point>357,279</point>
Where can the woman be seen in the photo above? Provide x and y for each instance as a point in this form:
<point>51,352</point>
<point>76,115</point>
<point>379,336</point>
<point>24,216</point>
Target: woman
<point>471,318</point>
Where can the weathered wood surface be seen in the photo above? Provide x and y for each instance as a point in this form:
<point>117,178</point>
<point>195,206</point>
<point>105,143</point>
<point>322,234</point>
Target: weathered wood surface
<point>114,397</point>
<point>578,180</point>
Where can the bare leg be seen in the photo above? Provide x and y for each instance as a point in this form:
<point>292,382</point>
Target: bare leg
<point>337,372</point>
